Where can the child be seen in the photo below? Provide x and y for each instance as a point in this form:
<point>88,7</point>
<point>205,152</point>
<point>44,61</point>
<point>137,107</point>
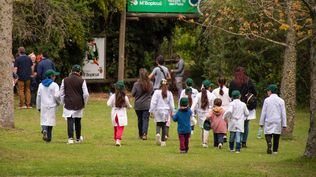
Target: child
<point>47,101</point>
<point>183,118</point>
<point>119,102</point>
<point>273,117</point>
<point>161,106</point>
<point>189,84</point>
<point>236,114</point>
<point>201,105</point>
<point>218,125</point>
<point>188,94</point>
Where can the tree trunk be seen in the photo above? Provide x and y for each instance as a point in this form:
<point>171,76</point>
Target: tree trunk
<point>288,85</point>
<point>6,89</point>
<point>310,150</point>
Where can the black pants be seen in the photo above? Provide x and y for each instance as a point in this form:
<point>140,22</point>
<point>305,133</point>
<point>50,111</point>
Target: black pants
<point>276,138</point>
<point>71,122</point>
<point>49,130</point>
<point>143,119</point>
<point>163,126</point>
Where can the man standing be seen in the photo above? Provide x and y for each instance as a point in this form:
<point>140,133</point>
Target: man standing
<point>74,94</point>
<point>23,68</point>
<point>44,65</point>
<point>273,118</point>
<point>160,72</point>
<point>179,72</point>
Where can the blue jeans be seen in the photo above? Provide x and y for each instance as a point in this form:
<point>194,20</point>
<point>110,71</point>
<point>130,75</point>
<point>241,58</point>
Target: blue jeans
<point>218,138</point>
<point>244,136</point>
<point>234,136</point>
<point>143,119</point>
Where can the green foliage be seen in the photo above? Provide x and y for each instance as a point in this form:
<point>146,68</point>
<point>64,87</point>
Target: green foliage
<point>23,152</point>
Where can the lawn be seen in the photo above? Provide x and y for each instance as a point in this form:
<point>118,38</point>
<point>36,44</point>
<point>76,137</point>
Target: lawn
<point>24,153</point>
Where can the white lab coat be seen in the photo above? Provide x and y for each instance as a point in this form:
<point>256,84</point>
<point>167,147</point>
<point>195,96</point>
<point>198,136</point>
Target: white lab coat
<point>236,115</point>
<point>225,97</point>
<point>196,107</point>
<point>161,108</point>
<point>120,112</point>
<point>47,101</point>
<point>273,115</point>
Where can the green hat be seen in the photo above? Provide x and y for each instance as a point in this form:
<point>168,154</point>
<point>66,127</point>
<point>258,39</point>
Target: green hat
<point>206,83</point>
<point>189,82</point>
<point>188,90</point>
<point>120,85</point>
<point>184,101</point>
<point>50,73</point>
<point>207,125</point>
<point>235,94</point>
<point>272,87</point>
<point>76,68</point>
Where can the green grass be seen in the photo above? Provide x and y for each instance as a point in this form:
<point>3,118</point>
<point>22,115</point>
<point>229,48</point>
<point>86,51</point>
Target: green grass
<point>23,153</point>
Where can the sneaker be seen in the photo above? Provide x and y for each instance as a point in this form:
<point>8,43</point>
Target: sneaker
<point>243,145</point>
<point>225,139</point>
<point>44,132</point>
<point>275,153</point>
<point>70,141</point>
<point>183,152</point>
<point>204,145</point>
<point>220,146</point>
<point>232,150</point>
<point>118,142</point>
<point>144,137</point>
<point>158,141</point>
<point>22,107</point>
<point>237,152</point>
<point>163,143</point>
<point>29,107</point>
<point>80,140</point>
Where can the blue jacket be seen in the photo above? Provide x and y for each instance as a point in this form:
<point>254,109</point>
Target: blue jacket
<point>43,66</point>
<point>183,118</point>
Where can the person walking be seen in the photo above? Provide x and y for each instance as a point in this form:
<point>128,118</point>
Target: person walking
<point>159,72</point>
<point>142,91</point>
<point>222,92</point>
<point>244,85</point>
<point>179,73</point>
<point>47,102</point>
<point>162,106</point>
<point>34,84</point>
<point>74,95</point>
<point>119,102</point>
<point>23,69</point>
<point>273,118</point>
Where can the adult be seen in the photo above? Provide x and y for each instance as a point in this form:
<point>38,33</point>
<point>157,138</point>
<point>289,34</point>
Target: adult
<point>159,72</point>
<point>74,95</point>
<point>34,84</point>
<point>179,72</point>
<point>273,118</point>
<point>142,91</point>
<point>244,85</point>
<point>44,65</point>
<point>23,68</point>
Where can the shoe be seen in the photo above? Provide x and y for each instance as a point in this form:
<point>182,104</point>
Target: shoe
<point>269,151</point>
<point>220,146</point>
<point>232,150</point>
<point>144,137</point>
<point>22,107</point>
<point>275,153</point>
<point>158,141</point>
<point>237,152</point>
<point>29,107</point>
<point>118,142</point>
<point>70,141</point>
<point>183,152</point>
<point>44,132</point>
<point>163,143</point>
<point>243,145</point>
<point>80,140</point>
<point>225,139</point>
<point>166,137</point>
<point>204,145</point>
<point>192,132</point>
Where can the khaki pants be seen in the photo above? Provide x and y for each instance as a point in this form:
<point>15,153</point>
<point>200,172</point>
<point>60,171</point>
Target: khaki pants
<point>24,92</point>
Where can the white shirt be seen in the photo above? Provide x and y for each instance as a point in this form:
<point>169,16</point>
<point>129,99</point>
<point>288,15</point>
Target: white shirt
<point>225,97</point>
<point>236,115</point>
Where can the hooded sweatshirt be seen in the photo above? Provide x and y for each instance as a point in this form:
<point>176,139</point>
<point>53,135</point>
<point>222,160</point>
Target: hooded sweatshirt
<point>218,124</point>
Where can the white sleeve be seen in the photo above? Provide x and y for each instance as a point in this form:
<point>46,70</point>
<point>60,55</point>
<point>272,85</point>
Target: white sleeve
<point>153,102</point>
<point>127,102</point>
<point>56,96</point>
<point>62,92</point>
<point>111,101</point>
<point>263,113</point>
<point>85,92</point>
<point>283,114</point>
<point>38,97</point>
<point>171,103</point>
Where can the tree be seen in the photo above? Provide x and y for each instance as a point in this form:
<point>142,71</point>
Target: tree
<point>6,89</point>
<point>310,150</point>
<point>282,23</point>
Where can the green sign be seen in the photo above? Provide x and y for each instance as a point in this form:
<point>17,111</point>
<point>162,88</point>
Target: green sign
<point>162,6</point>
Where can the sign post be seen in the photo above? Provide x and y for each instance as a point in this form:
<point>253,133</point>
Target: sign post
<point>122,44</point>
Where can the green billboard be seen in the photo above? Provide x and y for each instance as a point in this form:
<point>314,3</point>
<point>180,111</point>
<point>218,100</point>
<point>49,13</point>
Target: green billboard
<point>162,6</point>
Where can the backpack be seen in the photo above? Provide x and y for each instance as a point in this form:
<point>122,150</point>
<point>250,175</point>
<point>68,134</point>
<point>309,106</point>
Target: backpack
<point>251,101</point>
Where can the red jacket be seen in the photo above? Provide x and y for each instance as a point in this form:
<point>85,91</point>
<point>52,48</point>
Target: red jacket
<point>218,124</point>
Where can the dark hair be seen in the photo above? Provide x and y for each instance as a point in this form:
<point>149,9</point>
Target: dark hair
<point>221,82</point>
<point>240,76</point>
<point>120,98</point>
<point>190,99</point>
<point>204,99</point>
<point>218,102</point>
<point>144,81</point>
<point>164,90</point>
<point>160,60</point>
<point>45,54</point>
<point>21,50</point>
